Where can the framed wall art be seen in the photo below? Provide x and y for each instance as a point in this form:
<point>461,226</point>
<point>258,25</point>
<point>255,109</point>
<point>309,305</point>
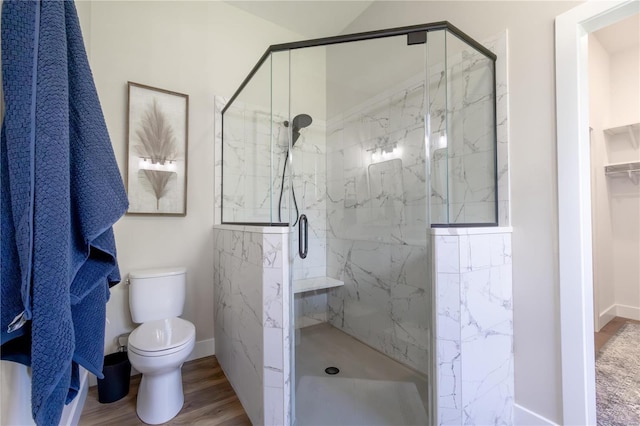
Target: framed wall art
<point>157,136</point>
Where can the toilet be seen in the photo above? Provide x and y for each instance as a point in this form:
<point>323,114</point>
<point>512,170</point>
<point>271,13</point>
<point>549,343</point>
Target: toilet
<point>162,342</point>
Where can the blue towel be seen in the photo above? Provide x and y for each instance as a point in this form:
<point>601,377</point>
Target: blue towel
<point>61,194</point>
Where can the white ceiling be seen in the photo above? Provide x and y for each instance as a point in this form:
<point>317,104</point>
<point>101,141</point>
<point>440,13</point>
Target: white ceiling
<point>309,18</point>
<point>620,36</point>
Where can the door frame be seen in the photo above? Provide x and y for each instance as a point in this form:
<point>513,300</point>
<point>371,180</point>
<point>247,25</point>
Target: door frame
<point>574,202</point>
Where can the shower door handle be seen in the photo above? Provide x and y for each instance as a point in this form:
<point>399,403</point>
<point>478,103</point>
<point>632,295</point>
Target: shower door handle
<point>303,236</point>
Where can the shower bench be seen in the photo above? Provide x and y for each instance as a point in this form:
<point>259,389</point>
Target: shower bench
<point>316,283</point>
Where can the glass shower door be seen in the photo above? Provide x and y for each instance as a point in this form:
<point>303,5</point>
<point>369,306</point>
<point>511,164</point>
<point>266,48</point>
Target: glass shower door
<point>349,149</point>
<point>359,251</point>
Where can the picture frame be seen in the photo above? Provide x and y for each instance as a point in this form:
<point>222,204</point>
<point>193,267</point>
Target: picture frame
<point>157,142</point>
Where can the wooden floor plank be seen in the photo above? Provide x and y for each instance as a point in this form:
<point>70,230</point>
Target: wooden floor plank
<point>609,330</point>
<point>209,400</point>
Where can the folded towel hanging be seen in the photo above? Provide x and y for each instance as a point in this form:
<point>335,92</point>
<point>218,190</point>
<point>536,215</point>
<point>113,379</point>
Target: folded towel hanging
<point>61,194</point>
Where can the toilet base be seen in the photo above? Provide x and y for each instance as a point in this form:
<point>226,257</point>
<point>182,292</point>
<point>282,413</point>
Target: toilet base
<point>160,397</point>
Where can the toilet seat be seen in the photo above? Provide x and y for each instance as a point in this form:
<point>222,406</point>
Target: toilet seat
<point>161,337</point>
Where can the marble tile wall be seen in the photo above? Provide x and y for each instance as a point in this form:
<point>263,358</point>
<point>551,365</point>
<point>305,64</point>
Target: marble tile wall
<point>376,169</point>
<point>474,330</point>
<point>238,314</point>
<point>309,182</point>
<point>311,308</point>
<point>498,45</point>
<point>310,185</point>
<point>276,330</point>
<point>383,263</point>
<point>376,236</point>
<point>462,176</point>
<point>470,134</point>
<point>439,149</point>
<point>254,163</point>
<point>379,122</point>
<point>250,169</point>
<point>384,301</point>
<point>218,104</point>
<point>256,178</point>
<point>252,319</point>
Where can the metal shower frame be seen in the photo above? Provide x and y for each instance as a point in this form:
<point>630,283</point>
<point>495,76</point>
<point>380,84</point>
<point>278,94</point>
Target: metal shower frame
<point>415,34</point>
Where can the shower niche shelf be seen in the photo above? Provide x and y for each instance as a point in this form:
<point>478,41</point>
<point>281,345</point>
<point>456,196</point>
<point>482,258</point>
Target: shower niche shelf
<point>630,170</point>
<point>317,283</point>
<point>629,129</point>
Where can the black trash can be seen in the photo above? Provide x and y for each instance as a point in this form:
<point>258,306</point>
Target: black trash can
<point>117,374</point>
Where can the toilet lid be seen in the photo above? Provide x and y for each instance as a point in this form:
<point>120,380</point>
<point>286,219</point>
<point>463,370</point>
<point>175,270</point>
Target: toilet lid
<point>161,335</point>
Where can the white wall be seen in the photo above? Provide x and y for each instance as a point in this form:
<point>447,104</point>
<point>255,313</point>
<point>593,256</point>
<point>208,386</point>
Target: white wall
<point>613,100</point>
<point>533,173</point>
<point>84,16</point>
<point>198,48</point>
<point>624,196</point>
<point>604,296</point>
<point>625,86</point>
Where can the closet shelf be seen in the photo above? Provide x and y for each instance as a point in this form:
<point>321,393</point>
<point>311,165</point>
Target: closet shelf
<point>629,129</point>
<point>630,170</point>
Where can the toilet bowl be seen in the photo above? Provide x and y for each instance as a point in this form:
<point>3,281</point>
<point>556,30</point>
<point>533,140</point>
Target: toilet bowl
<point>161,344</point>
<point>158,349</point>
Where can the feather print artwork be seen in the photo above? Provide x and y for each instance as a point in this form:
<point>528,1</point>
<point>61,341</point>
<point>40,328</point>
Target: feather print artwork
<point>158,145</point>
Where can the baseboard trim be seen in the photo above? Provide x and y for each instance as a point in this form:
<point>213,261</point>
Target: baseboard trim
<point>525,417</point>
<point>616,310</point>
<point>202,349</point>
<point>630,312</point>
<point>606,316</point>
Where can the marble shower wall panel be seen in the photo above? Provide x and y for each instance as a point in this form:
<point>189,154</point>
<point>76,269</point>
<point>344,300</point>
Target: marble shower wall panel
<point>487,328</point>
<point>470,136</point>
<point>487,333</point>
<point>498,45</point>
<point>252,172</point>
<point>474,338</point>
<point>376,170</point>
<point>448,348</point>
<point>458,177</point>
<point>310,184</point>
<point>252,319</point>
<point>276,323</point>
<point>234,189</point>
<point>311,308</point>
<point>344,192</point>
<point>384,301</point>
<point>448,329</point>
<point>218,104</point>
<point>376,236</point>
<point>238,315</point>
<point>439,170</point>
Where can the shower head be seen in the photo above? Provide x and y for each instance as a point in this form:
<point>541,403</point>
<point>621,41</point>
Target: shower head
<point>300,121</point>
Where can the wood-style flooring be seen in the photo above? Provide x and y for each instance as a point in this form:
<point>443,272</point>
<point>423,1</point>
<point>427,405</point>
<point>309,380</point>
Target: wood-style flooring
<point>607,332</point>
<point>209,400</point>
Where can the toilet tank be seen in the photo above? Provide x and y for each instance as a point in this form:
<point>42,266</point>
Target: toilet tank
<point>156,293</point>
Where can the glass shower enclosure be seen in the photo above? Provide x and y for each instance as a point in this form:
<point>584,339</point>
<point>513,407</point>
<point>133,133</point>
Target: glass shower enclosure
<point>359,144</point>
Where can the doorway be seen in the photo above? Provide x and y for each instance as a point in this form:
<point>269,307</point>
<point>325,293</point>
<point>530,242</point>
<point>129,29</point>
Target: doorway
<point>614,121</point>
<point>574,202</point>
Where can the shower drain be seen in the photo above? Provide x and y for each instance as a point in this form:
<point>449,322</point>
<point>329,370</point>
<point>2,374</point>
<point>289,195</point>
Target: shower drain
<point>332,370</point>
